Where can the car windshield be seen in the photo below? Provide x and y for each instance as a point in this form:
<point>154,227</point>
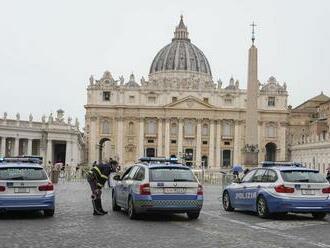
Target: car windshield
<point>175,174</point>
<point>22,173</point>
<point>303,176</point>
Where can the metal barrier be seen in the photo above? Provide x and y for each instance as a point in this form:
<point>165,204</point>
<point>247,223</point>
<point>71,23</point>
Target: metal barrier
<point>214,177</point>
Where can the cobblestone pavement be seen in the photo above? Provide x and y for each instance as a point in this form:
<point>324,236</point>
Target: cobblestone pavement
<point>74,226</point>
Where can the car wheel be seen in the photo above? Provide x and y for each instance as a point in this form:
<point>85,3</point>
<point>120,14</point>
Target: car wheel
<point>262,207</point>
<point>319,216</point>
<point>131,209</point>
<point>193,215</point>
<point>226,202</point>
<point>115,207</point>
<point>49,212</point>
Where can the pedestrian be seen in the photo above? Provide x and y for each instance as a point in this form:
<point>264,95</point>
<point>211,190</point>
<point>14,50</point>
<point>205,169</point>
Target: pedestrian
<point>96,178</point>
<point>328,174</point>
<point>94,163</point>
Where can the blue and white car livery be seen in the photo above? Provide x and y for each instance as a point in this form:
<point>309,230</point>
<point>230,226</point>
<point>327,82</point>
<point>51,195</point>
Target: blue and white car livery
<point>280,189</point>
<point>24,185</point>
<point>158,186</point>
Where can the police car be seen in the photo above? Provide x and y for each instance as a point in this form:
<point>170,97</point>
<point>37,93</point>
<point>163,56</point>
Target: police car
<point>24,185</point>
<point>280,189</point>
<point>158,185</point>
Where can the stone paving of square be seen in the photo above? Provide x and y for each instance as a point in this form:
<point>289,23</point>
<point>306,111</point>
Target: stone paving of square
<point>74,226</point>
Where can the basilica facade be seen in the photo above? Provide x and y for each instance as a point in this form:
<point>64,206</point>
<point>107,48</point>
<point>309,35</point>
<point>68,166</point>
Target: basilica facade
<point>180,111</point>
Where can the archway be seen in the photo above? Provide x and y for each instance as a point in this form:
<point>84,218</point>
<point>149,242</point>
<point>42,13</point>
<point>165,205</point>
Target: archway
<point>151,152</point>
<point>101,147</point>
<point>205,161</point>
<point>226,158</point>
<point>270,152</point>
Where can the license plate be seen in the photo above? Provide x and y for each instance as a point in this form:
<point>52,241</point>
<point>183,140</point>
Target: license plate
<point>308,192</point>
<point>174,190</point>
<point>21,190</point>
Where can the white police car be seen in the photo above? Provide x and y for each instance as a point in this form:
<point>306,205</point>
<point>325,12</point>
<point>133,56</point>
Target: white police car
<point>158,185</point>
<point>24,185</point>
<point>280,189</point>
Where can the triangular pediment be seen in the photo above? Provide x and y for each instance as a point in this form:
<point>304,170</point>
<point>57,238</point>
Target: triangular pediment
<point>189,102</point>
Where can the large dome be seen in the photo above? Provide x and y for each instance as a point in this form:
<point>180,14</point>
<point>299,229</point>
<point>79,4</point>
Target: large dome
<point>180,56</point>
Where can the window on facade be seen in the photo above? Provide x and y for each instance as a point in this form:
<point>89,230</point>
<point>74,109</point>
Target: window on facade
<point>228,101</point>
<point>106,95</point>
<point>205,130</point>
<point>173,141</point>
<point>205,99</point>
<point>105,127</point>
<point>204,142</point>
<point>226,129</point>
<point>151,127</point>
<point>174,99</point>
<point>227,143</point>
<point>131,99</point>
<point>270,132</point>
<point>189,128</point>
<point>271,101</point>
<point>131,128</point>
<point>174,129</point>
<point>151,99</point>
<point>150,141</point>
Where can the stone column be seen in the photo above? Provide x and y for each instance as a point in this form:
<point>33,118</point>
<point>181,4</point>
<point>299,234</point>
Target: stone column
<point>282,138</point>
<point>16,147</point>
<point>180,138</point>
<point>120,130</point>
<point>160,138</point>
<point>29,147</point>
<point>141,138</point>
<point>93,149</point>
<point>3,146</point>
<point>167,138</point>
<point>217,145</point>
<point>237,143</point>
<point>198,142</point>
<point>49,151</point>
<point>68,153</point>
<point>211,145</point>
<point>262,149</point>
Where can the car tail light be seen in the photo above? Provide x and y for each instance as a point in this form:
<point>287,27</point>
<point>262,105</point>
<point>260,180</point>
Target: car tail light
<point>200,189</point>
<point>145,189</point>
<point>283,189</point>
<point>326,190</point>
<point>2,188</point>
<point>46,187</point>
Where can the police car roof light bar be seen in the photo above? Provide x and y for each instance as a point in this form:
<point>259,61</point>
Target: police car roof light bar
<point>159,159</point>
<point>280,163</point>
<point>23,159</point>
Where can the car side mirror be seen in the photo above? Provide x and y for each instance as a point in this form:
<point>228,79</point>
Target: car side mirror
<point>117,178</point>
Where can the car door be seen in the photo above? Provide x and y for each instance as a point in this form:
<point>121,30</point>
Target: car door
<point>126,183</point>
<point>119,187</point>
<point>258,183</point>
<point>238,196</point>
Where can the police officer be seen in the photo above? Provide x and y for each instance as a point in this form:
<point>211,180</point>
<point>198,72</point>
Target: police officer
<point>96,178</point>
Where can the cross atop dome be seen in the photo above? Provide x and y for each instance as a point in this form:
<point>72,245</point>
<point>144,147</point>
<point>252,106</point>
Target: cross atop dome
<point>181,31</point>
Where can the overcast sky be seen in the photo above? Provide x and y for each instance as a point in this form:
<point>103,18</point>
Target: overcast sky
<point>48,49</point>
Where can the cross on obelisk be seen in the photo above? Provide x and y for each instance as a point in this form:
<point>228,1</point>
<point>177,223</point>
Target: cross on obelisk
<point>253,37</point>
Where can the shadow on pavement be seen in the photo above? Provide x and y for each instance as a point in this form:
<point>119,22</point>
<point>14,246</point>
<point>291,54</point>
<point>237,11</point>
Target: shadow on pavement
<point>22,215</point>
<point>156,217</point>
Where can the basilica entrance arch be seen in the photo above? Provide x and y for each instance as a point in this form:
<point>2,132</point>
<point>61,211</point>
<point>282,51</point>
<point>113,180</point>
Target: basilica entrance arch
<point>270,151</point>
<point>102,144</point>
<point>205,161</point>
